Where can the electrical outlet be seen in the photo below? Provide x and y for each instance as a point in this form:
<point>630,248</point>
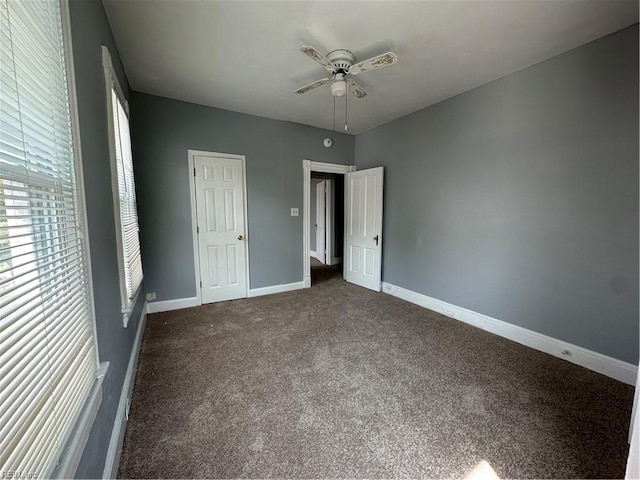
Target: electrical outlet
<point>295,212</point>
<point>151,296</point>
<point>449,312</point>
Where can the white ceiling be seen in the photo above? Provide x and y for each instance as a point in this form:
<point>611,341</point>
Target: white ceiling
<point>244,55</point>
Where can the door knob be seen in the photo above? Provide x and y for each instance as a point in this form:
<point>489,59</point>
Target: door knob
<point>240,237</point>
<point>376,239</point>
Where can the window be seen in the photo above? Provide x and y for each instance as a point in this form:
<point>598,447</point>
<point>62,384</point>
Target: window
<point>48,360</point>
<point>124,193</point>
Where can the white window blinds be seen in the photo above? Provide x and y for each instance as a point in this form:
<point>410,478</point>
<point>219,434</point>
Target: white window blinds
<point>125,194</point>
<point>47,351</point>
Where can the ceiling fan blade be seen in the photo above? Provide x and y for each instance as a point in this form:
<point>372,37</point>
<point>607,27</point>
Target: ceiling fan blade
<point>313,85</point>
<point>318,57</point>
<point>356,89</point>
<point>380,61</point>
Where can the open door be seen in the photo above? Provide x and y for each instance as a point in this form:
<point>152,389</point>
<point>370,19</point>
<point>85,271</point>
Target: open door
<point>329,224</point>
<point>321,234</point>
<point>363,222</point>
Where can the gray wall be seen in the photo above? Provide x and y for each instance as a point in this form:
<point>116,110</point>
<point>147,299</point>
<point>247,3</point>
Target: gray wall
<point>164,129</point>
<point>519,199</point>
<point>90,31</point>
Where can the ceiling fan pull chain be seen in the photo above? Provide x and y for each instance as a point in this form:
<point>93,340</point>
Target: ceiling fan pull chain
<point>346,110</point>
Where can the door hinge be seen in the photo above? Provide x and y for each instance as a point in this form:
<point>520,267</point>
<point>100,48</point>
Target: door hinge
<point>197,229</point>
<point>200,283</point>
<point>194,171</point>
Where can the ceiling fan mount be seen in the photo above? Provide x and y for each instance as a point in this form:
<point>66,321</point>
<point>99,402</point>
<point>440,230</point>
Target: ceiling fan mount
<point>340,64</point>
<point>342,59</point>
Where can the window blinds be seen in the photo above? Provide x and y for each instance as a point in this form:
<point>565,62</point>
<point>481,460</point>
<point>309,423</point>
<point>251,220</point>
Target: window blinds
<point>47,352</point>
<point>128,221</point>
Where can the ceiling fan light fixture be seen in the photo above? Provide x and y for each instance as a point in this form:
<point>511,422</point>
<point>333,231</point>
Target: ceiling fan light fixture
<point>339,88</point>
<point>340,64</point>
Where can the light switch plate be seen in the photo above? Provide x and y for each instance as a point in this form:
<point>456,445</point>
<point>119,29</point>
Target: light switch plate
<point>294,212</point>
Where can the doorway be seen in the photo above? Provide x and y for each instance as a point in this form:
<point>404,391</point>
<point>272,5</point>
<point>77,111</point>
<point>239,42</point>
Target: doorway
<point>326,225</point>
<point>327,217</point>
<point>330,171</point>
<point>363,211</point>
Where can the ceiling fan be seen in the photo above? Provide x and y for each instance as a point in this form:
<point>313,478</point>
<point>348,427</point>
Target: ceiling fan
<point>341,63</point>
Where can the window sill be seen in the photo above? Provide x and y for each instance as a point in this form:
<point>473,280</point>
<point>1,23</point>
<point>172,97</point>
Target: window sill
<point>127,311</point>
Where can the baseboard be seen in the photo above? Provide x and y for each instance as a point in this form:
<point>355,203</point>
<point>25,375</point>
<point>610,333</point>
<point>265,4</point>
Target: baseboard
<point>287,287</point>
<point>316,255</point>
<point>329,261</point>
<point>178,303</point>
<point>168,305</point>
<point>634,412</point>
<point>335,261</point>
<point>119,425</point>
<point>611,367</point>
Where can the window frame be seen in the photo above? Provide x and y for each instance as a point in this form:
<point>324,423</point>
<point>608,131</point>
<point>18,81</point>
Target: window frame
<point>78,165</point>
<point>72,454</point>
<point>111,81</point>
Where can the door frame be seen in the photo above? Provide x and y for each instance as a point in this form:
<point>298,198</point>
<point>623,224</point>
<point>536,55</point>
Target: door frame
<point>194,215</point>
<point>309,166</point>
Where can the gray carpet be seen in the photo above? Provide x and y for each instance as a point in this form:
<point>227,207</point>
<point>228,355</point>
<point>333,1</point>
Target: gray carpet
<point>337,381</point>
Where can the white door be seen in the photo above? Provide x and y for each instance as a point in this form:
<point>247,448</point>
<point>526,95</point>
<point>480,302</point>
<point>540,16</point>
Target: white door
<point>321,247</point>
<point>329,227</point>
<point>219,188</point>
<point>363,225</point>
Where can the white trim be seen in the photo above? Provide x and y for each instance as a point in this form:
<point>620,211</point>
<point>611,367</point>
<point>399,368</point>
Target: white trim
<point>77,151</point>
<point>633,460</point>
<point>77,442</point>
<point>126,314</point>
<point>321,233</point>
<point>194,217</point>
<point>634,410</point>
<point>286,287</point>
<point>117,433</point>
<point>175,304</point>
<point>335,261</point>
<point>597,362</point>
<point>194,226</point>
<point>111,78</point>
<point>309,166</point>
<point>72,454</point>
<point>329,222</point>
<point>330,260</point>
